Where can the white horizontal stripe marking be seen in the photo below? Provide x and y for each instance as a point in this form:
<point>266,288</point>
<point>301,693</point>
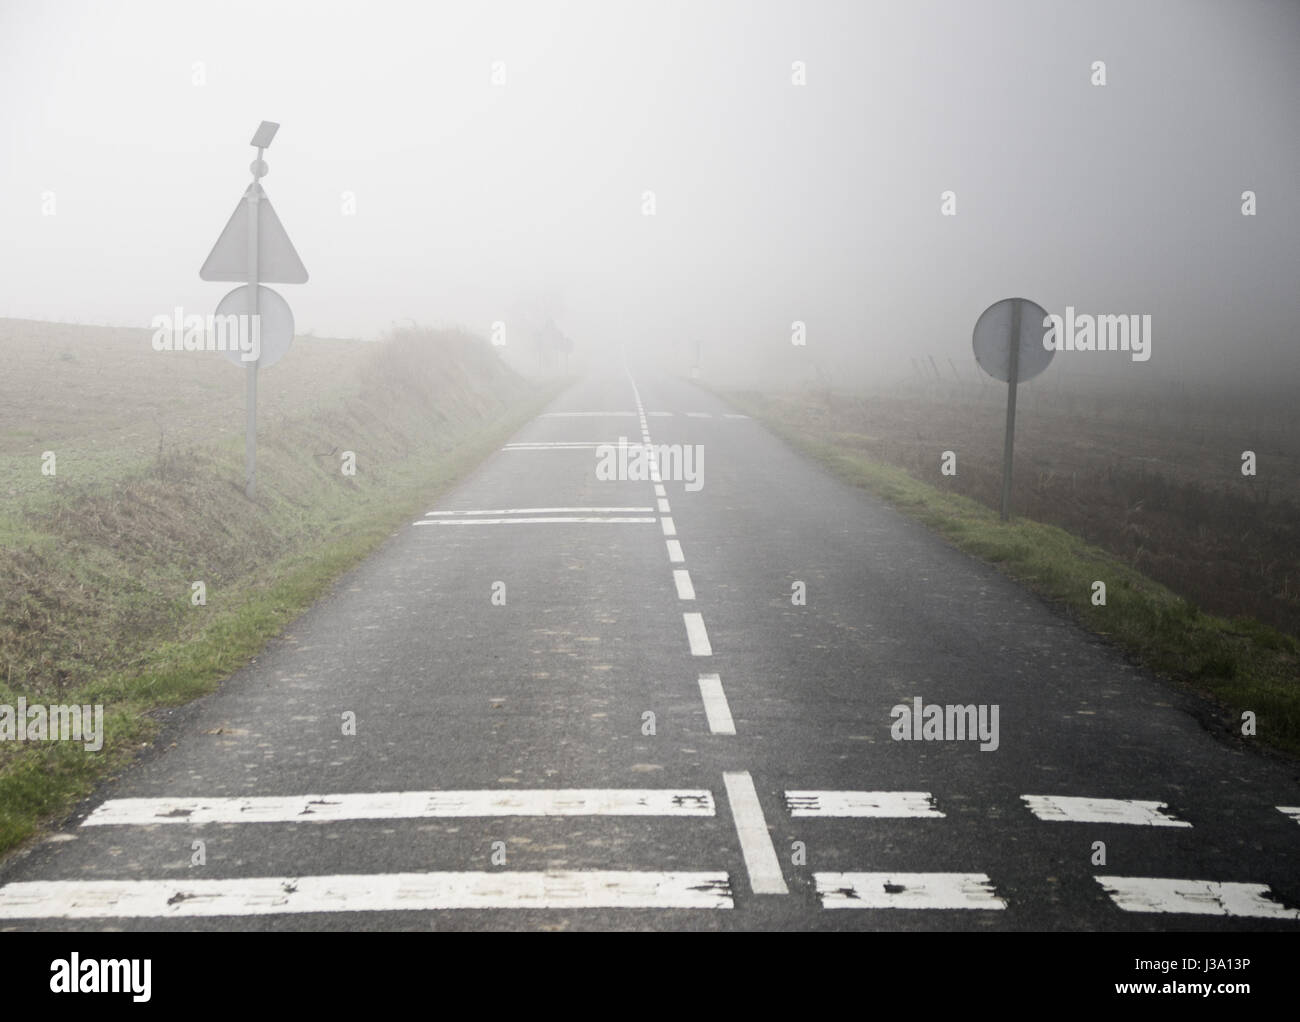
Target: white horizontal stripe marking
<point>715,705</point>
<point>576,415</point>
<point>573,445</point>
<point>907,890</point>
<point>1291,811</point>
<point>377,892</point>
<point>545,511</point>
<point>733,415</point>
<point>682,580</point>
<point>1101,810</point>
<point>891,804</point>
<point>765,875</point>
<point>697,635</point>
<point>531,521</point>
<point>1194,897</point>
<point>699,415</point>
<point>405,805</point>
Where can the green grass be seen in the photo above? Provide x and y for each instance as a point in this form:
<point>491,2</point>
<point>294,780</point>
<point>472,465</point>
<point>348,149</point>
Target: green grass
<point>1239,664</point>
<point>95,576</point>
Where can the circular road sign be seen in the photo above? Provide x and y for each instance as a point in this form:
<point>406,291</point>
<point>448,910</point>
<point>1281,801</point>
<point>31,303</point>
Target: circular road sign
<point>276,325</point>
<point>992,340</point>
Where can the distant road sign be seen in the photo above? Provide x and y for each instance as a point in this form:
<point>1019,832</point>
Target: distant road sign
<point>992,340</point>
<point>277,260</point>
<point>276,324</point>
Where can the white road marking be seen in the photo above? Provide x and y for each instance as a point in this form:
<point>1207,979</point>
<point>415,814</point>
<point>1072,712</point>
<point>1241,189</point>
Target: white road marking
<point>565,445</point>
<point>675,555</point>
<point>660,491</point>
<point>696,635</point>
<point>669,528</point>
<point>404,805</point>
<point>1194,897</point>
<point>715,705</point>
<point>1291,811</point>
<point>699,415</point>
<point>1102,810</point>
<point>907,890</point>
<point>663,506</point>
<point>574,415</point>
<point>891,804</point>
<point>546,511</point>
<point>660,415</point>
<point>733,415</point>
<point>755,842</point>
<point>375,892</point>
<point>682,580</point>
<point>533,521</point>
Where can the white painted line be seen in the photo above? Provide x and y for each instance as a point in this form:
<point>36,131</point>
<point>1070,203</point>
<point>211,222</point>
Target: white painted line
<point>669,528</point>
<point>733,415</point>
<point>404,805</point>
<point>575,415</point>
<point>1291,811</point>
<point>675,555</point>
<point>546,511</point>
<point>663,506</point>
<point>907,890</point>
<point>715,705</point>
<point>565,445</point>
<point>755,842</point>
<point>699,415</point>
<point>696,635</point>
<point>660,491</point>
<point>533,521</point>
<point>374,892</point>
<point>1066,809</point>
<point>661,415</point>
<point>682,580</point>
<point>1194,897</point>
<point>883,804</point>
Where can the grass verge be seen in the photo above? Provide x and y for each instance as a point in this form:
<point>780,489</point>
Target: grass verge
<point>95,579</point>
<point>1241,665</point>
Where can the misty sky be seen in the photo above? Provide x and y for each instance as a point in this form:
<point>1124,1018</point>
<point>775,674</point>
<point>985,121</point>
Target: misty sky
<point>477,202</point>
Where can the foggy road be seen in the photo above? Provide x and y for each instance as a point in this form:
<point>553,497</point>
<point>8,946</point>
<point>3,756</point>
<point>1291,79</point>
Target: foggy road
<point>561,701</point>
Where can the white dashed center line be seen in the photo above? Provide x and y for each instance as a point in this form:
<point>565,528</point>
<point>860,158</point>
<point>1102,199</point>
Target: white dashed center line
<point>764,868</point>
<point>715,705</point>
<point>682,580</point>
<point>696,635</point>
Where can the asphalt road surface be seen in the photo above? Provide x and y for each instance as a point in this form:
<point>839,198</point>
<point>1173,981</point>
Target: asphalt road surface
<point>588,703</point>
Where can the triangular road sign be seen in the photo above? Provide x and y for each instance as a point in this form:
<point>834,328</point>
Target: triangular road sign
<point>277,262</point>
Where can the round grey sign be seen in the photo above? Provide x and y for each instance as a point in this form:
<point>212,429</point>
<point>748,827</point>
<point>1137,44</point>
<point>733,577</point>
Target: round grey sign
<point>992,340</point>
<point>274,329</point>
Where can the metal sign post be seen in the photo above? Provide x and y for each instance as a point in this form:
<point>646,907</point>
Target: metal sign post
<point>250,397</point>
<point>1009,347</point>
<point>1013,377</point>
<point>254,249</point>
